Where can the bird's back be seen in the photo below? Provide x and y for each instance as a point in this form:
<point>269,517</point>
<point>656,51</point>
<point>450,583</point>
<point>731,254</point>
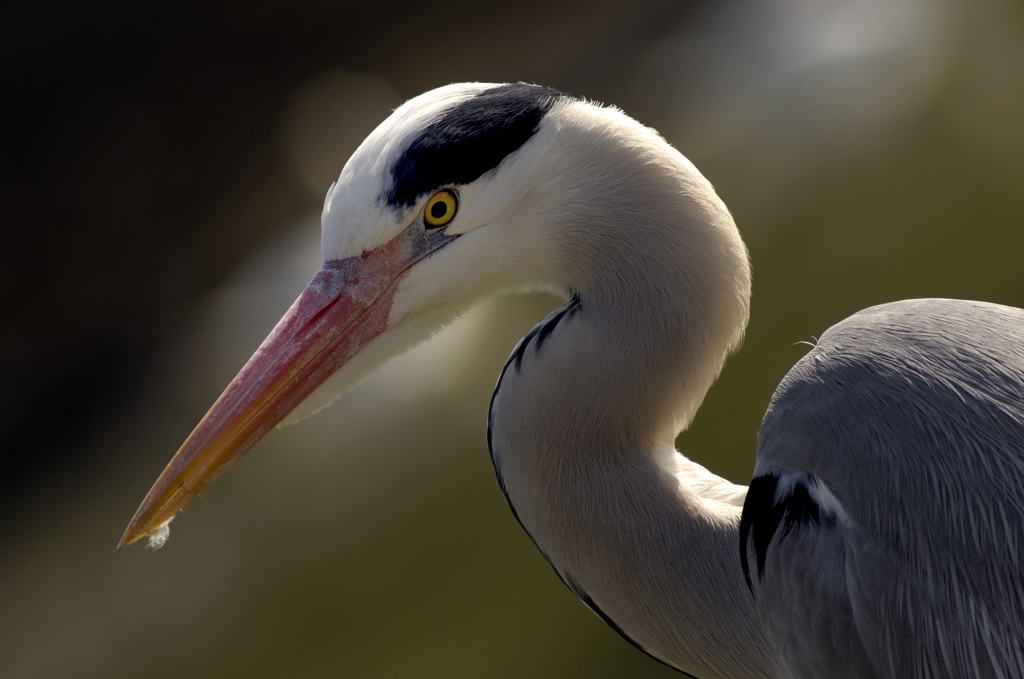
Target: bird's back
<point>886,519</point>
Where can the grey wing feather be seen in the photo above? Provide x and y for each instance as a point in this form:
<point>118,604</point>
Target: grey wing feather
<point>906,423</point>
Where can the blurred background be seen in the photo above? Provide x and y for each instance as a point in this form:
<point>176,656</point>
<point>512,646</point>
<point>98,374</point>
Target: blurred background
<point>162,169</point>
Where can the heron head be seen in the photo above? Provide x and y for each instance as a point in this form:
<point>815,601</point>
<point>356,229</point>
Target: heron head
<point>442,204</point>
<point>417,227</point>
<point>462,192</point>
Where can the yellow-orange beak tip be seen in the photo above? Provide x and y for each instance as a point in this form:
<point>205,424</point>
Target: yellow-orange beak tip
<point>343,308</point>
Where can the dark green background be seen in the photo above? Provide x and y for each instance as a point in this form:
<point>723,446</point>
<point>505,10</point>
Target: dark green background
<point>156,222</point>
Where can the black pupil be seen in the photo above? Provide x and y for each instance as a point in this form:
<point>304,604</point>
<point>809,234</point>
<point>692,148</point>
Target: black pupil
<point>438,209</point>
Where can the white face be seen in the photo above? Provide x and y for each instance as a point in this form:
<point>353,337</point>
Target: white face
<point>502,202</point>
<point>356,217</point>
<point>546,186</point>
<point>501,242</point>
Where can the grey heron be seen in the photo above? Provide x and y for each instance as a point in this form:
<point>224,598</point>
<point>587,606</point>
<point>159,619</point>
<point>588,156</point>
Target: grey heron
<point>882,533</point>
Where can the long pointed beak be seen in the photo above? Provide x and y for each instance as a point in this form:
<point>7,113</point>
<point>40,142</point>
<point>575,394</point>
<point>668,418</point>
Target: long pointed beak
<point>342,309</point>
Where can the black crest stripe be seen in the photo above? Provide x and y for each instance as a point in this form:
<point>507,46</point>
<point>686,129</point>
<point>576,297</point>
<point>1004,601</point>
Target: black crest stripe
<point>468,139</point>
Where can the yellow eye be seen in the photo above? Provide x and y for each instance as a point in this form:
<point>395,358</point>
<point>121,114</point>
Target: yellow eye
<point>440,209</point>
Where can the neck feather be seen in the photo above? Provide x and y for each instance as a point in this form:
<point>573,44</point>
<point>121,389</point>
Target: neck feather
<point>579,455</point>
<point>584,418</point>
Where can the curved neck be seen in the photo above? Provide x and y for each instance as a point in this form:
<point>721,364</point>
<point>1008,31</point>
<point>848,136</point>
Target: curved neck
<point>585,415</point>
<point>656,553</point>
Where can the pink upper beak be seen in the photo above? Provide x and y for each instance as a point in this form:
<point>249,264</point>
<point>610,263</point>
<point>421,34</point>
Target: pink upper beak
<point>344,307</point>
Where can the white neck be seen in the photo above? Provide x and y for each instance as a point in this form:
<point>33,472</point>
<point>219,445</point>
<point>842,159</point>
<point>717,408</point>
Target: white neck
<point>582,428</point>
<point>657,553</point>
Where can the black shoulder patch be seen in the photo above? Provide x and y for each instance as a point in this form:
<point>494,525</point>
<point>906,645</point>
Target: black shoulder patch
<point>761,517</point>
<point>469,139</point>
<point>762,514</point>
